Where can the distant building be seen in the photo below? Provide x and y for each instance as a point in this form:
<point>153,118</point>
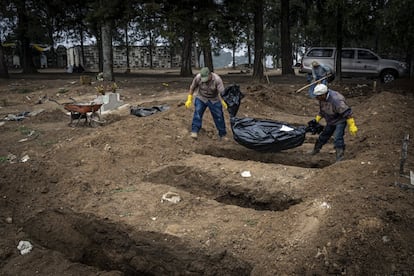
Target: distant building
<point>139,57</point>
<point>71,58</point>
<point>43,55</point>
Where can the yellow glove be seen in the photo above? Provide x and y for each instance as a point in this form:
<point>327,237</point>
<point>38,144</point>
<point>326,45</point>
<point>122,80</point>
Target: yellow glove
<point>352,127</point>
<point>224,104</point>
<point>318,118</point>
<point>189,101</point>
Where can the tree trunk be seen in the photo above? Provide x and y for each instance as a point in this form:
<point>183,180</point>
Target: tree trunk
<point>186,54</point>
<point>53,55</point>
<point>258,41</point>
<point>23,27</point>
<point>287,60</point>
<point>150,48</point>
<point>27,64</point>
<point>4,73</point>
<point>339,22</point>
<point>249,55</point>
<point>100,55</point>
<point>197,56</point>
<point>128,70</point>
<point>234,57</point>
<point>107,54</point>
<point>208,57</point>
<point>206,46</point>
<point>249,46</point>
<point>83,62</point>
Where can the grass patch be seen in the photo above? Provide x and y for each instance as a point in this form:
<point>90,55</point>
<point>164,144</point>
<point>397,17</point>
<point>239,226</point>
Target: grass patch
<point>3,159</point>
<point>22,90</point>
<point>213,231</point>
<point>250,222</point>
<point>24,130</point>
<point>63,90</point>
<point>48,142</point>
<point>123,190</point>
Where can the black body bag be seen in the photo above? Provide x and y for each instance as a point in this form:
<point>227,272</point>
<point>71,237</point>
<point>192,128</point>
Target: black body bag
<point>266,135</point>
<point>260,134</point>
<point>147,111</point>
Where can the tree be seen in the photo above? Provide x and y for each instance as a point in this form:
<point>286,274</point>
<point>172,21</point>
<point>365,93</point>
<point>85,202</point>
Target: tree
<point>258,41</point>
<point>181,20</point>
<point>287,61</point>
<point>4,73</point>
<point>149,16</point>
<point>398,24</point>
<point>104,14</point>
<point>77,18</point>
<point>108,70</point>
<point>339,38</point>
<point>233,24</point>
<point>23,9</point>
<point>206,19</point>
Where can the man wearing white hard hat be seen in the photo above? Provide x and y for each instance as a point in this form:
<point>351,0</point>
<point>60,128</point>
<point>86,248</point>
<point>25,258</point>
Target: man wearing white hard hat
<point>337,114</point>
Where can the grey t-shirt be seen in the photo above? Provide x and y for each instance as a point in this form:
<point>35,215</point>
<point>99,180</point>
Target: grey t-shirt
<point>208,90</point>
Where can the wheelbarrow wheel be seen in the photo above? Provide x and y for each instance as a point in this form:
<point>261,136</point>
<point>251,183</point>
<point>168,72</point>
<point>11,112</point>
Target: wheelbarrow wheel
<point>95,119</point>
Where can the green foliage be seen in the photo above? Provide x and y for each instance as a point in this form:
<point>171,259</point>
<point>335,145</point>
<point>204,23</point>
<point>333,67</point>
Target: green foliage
<point>385,26</point>
<point>63,90</point>
<point>22,90</point>
<point>24,130</point>
<point>398,26</point>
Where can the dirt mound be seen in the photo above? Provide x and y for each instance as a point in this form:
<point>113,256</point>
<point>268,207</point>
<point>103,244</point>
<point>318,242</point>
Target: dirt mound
<point>90,200</point>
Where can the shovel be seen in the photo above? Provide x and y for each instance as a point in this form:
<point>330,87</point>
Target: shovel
<point>312,83</point>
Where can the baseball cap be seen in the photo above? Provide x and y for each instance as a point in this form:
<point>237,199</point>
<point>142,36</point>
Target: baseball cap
<point>315,63</point>
<point>204,74</point>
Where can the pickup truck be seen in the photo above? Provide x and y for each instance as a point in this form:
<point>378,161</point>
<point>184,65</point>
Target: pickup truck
<point>356,62</point>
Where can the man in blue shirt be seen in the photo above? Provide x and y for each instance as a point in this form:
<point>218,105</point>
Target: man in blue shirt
<point>319,71</point>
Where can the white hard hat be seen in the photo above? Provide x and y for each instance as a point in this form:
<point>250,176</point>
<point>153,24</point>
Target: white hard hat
<point>320,89</point>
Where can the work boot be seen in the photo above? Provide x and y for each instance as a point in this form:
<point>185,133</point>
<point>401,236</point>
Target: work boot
<point>223,138</point>
<point>339,154</point>
<point>317,148</point>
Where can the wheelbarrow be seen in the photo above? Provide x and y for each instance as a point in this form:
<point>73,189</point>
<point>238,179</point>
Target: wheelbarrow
<point>87,111</point>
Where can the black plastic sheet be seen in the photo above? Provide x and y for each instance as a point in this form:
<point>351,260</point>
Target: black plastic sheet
<point>232,96</point>
<point>147,111</point>
<point>266,135</point>
<point>260,134</point>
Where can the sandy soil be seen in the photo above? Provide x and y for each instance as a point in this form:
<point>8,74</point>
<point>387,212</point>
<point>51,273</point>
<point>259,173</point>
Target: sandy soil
<point>89,200</point>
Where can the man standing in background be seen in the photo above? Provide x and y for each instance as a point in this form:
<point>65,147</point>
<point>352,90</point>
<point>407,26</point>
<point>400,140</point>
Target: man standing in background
<point>210,86</point>
<point>319,71</point>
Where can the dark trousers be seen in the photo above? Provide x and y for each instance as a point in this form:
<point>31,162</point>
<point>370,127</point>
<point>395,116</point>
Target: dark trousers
<point>338,133</point>
<point>216,110</point>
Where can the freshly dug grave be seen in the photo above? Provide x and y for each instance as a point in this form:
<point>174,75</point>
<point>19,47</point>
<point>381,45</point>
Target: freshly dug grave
<point>89,200</point>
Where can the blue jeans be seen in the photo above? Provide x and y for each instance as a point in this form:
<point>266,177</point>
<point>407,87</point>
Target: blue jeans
<point>216,112</point>
<point>338,132</point>
<point>312,87</point>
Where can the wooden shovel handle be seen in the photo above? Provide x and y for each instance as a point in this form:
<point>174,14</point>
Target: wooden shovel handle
<point>312,83</point>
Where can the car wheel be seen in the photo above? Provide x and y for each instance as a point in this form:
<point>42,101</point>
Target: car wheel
<point>388,76</point>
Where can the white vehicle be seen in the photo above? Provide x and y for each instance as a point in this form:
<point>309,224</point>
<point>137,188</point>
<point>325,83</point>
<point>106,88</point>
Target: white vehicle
<point>356,62</point>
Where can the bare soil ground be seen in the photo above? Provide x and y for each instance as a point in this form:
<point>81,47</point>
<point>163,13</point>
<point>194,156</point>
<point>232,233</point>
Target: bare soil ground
<point>89,199</point>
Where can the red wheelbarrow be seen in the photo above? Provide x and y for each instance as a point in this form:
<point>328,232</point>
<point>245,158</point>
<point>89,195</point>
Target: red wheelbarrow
<point>79,111</point>
<point>87,111</point>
